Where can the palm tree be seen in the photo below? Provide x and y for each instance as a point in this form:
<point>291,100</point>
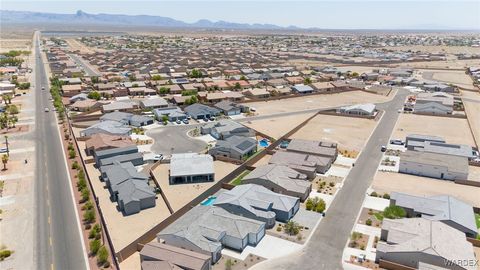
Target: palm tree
<point>4,161</point>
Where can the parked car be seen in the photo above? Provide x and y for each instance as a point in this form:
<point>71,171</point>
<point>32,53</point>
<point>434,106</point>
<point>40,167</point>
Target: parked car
<point>384,148</point>
<point>178,121</point>
<point>3,150</point>
<point>397,142</point>
<point>212,118</point>
<point>158,157</point>
<point>47,109</point>
<point>43,88</point>
<point>185,121</point>
<point>18,95</point>
<point>205,119</point>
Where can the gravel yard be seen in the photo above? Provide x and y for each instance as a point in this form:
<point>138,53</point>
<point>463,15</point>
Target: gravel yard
<point>276,127</point>
<point>125,229</point>
<point>350,133</point>
<point>179,195</point>
<point>315,101</point>
<point>422,186</point>
<point>434,125</point>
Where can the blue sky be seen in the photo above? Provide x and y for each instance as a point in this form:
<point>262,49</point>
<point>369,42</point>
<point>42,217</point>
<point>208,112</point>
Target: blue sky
<point>353,14</point>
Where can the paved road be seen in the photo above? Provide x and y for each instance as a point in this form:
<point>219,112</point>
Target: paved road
<point>58,241</point>
<point>325,248</point>
<point>86,67</point>
<point>174,139</point>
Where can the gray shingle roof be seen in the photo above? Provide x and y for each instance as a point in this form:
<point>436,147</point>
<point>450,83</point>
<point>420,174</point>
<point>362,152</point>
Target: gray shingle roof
<point>204,226</point>
<point>452,163</point>
<point>281,175</point>
<point>191,164</point>
<point>240,144</point>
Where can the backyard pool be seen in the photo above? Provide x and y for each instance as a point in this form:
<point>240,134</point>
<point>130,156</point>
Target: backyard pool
<point>209,201</point>
<point>263,143</point>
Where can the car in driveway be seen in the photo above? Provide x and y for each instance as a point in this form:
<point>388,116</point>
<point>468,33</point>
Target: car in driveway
<point>397,142</point>
<point>185,121</point>
<point>158,157</point>
<point>205,119</point>
<point>178,121</point>
<point>3,150</point>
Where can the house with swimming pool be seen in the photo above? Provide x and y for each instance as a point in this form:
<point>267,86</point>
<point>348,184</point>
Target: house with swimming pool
<point>258,202</point>
<point>236,147</point>
<point>207,229</point>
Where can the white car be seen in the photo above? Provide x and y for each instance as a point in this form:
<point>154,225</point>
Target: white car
<point>158,157</point>
<point>47,109</point>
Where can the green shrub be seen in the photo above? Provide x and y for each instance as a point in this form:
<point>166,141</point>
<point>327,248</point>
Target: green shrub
<point>386,196</point>
<point>94,246</point>
<point>394,212</point>
<point>309,204</point>
<point>81,184</point>
<point>88,205</point>
<point>320,207</point>
<point>89,216</point>
<point>5,254</point>
<point>374,194</point>
<point>368,222</point>
<point>102,255</point>
<point>75,165</point>
<point>72,154</point>
<point>85,194</point>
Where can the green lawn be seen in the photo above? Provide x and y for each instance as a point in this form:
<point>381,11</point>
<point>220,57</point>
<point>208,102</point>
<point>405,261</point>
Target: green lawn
<point>378,216</point>
<point>477,219</point>
<point>238,181</point>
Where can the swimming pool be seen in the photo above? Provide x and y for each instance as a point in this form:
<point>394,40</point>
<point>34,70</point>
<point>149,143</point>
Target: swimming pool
<point>263,143</point>
<point>209,201</point>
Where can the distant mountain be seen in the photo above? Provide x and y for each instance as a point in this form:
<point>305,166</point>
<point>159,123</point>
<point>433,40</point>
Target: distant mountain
<point>81,17</point>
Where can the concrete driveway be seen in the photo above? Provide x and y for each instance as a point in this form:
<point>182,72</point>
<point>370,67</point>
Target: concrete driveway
<point>168,140</point>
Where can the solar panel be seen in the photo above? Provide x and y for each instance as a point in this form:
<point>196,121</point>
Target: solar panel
<point>245,145</point>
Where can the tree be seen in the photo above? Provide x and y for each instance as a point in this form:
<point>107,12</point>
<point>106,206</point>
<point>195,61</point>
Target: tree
<point>320,207</point>
<point>94,79</point>
<point>243,78</point>
<point>156,77</point>
<point>94,95</point>
<point>237,86</point>
<point>5,161</point>
<point>195,73</point>
<point>132,77</point>
<point>355,74</point>
<point>94,246</point>
<point>24,86</point>
<point>307,81</point>
<point>163,90</point>
<point>292,228</point>
<point>102,255</point>
<point>309,204</point>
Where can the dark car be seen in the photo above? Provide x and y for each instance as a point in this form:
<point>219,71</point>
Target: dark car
<point>384,148</point>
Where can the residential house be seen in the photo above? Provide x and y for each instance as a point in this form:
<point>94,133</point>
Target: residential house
<point>172,113</point>
<point>235,147</point>
<point>307,164</point>
<point>418,140</point>
<point>316,148</point>
<point>358,109</point>
<point>153,103</point>
<point>257,93</point>
<point>226,128</point>
<point>302,89</point>
<point>113,152</point>
<point>191,168</point>
<point>206,229</point>
<point>107,127</point>
<point>412,241</point>
<point>323,86</point>
<point>122,106</point>
<point>100,141</point>
<point>447,209</point>
<point>259,203</point>
<point>229,107</point>
<point>434,165</point>
<point>155,253</point>
<point>200,111</point>
<point>70,90</point>
<point>280,179</point>
<point>128,118</point>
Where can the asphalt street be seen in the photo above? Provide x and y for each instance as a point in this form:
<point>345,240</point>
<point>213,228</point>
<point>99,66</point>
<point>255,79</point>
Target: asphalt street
<point>325,248</point>
<point>85,66</point>
<point>58,241</point>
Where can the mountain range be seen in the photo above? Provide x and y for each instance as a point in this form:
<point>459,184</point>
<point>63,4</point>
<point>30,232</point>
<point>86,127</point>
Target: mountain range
<point>80,17</point>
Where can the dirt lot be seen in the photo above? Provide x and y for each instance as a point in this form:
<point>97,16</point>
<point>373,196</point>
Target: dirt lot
<point>350,133</point>
<point>434,125</point>
<point>449,64</point>
<point>315,101</point>
<point>179,195</point>
<point>455,77</point>
<point>132,262</point>
<point>276,127</point>
<point>77,45</point>
<point>14,44</point>
<point>422,186</point>
<point>125,229</point>
<point>472,109</point>
<point>474,173</point>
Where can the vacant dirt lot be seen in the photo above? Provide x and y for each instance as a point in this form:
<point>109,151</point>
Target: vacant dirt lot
<point>276,127</point>
<point>453,130</point>
<point>455,77</point>
<point>422,186</point>
<point>472,109</point>
<point>316,102</point>
<point>348,132</point>
<point>125,229</point>
<point>179,195</point>
<point>14,44</point>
